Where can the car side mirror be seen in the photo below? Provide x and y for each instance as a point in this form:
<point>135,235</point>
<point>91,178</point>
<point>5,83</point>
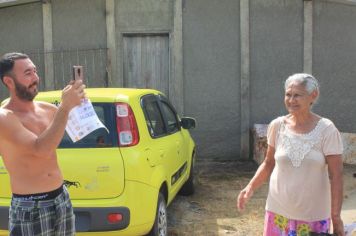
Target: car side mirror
<point>187,122</point>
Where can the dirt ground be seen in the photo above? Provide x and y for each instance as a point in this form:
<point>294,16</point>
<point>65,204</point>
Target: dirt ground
<point>212,209</point>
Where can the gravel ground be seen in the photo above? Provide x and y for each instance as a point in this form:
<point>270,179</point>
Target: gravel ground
<point>212,209</point>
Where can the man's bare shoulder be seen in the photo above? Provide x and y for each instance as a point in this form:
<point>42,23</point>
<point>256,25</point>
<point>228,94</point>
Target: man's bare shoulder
<point>46,106</point>
<point>6,114</point>
<point>8,120</point>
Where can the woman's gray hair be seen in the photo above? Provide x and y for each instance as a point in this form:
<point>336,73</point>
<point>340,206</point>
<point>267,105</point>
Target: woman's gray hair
<point>307,80</point>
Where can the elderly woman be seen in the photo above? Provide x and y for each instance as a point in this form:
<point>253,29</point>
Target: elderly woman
<point>304,164</point>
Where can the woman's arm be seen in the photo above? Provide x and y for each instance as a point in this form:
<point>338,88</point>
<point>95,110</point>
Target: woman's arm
<point>262,174</point>
<point>335,167</point>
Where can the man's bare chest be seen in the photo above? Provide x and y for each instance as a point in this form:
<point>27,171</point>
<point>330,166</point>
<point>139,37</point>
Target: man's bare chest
<point>36,123</point>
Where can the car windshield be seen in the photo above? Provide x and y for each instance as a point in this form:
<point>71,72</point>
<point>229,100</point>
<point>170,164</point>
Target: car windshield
<point>99,138</point>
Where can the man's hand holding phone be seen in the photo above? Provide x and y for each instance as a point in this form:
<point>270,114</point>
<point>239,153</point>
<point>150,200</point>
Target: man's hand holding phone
<point>82,119</point>
<point>73,94</point>
<point>78,73</point>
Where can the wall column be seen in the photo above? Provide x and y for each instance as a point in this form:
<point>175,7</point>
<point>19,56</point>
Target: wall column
<point>308,37</point>
<point>111,43</point>
<point>176,93</point>
<point>48,45</point>
<point>245,80</point>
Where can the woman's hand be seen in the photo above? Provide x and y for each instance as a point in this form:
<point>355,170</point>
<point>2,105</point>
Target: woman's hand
<point>244,197</point>
<point>338,226</point>
<point>262,174</point>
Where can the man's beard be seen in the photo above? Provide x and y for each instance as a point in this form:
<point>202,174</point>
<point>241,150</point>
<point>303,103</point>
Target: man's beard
<point>24,93</point>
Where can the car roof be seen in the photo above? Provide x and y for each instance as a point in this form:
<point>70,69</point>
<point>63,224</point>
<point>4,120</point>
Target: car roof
<point>102,94</point>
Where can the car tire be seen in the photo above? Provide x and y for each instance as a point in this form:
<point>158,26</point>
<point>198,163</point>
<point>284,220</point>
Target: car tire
<point>188,187</point>
<point>160,226</point>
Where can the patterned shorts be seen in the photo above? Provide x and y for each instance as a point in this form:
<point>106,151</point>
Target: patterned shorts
<point>277,225</point>
<point>42,218</point>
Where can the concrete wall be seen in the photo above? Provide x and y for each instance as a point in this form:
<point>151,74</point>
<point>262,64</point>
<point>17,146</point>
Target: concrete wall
<point>278,48</point>
<point>334,62</point>
<point>144,16</point>
<point>77,24</point>
<point>217,76</point>
<point>276,52</point>
<point>21,29</point>
<point>212,75</point>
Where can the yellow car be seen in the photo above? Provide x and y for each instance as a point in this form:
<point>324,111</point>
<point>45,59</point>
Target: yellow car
<point>121,181</point>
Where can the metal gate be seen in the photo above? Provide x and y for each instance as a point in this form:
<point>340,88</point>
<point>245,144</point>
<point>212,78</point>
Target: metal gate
<point>94,62</point>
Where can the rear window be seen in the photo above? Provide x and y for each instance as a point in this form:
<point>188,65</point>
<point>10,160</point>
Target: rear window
<point>99,138</point>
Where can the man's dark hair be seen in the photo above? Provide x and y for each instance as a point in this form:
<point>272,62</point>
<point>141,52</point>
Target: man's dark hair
<point>7,62</point>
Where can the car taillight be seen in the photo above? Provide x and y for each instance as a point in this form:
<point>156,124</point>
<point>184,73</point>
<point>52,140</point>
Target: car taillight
<point>114,217</point>
<point>126,125</point>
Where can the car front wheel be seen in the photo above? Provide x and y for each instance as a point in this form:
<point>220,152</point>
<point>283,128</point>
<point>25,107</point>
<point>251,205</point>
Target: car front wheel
<point>160,225</point>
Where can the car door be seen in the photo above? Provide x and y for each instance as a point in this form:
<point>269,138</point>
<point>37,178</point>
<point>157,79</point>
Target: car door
<point>166,140</point>
<point>177,162</point>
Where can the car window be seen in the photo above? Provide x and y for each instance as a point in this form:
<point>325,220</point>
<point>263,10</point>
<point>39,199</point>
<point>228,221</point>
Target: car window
<point>100,137</point>
<point>153,116</point>
<point>172,121</point>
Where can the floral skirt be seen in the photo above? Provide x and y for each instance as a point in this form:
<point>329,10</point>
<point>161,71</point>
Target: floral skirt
<point>277,225</point>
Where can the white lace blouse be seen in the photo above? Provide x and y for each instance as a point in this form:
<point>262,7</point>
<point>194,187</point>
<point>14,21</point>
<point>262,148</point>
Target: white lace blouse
<point>299,185</point>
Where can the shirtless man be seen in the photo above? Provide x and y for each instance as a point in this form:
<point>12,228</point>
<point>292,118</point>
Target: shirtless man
<point>30,133</point>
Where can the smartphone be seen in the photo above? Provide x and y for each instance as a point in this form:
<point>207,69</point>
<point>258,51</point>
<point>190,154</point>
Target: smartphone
<point>78,72</point>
